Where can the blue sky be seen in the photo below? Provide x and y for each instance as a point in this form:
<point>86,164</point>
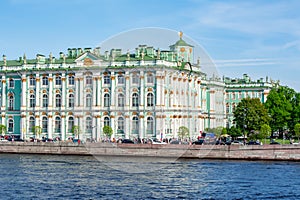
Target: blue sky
<point>260,38</point>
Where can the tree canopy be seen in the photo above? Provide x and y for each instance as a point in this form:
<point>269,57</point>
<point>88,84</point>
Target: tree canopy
<point>183,132</point>
<point>107,130</point>
<point>250,115</point>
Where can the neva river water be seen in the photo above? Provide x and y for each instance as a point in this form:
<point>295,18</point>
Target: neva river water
<point>83,177</point>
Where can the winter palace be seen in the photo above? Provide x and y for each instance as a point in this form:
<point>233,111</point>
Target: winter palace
<point>142,94</point>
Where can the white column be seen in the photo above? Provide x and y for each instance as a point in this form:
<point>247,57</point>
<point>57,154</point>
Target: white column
<point>37,92</point>
<point>24,90</point>
<point>76,95</point>
<point>63,127</point>
<point>94,96</point>
<point>112,122</point>
<point>142,130</point>
<point>98,129</point>
<point>127,126</point>
<point>23,126</point>
<point>50,97</point>
<point>127,93</point>
<point>142,90</point>
<point>50,126</point>
<point>80,93</point>
<point>4,96</point>
<point>113,88</point>
<point>63,91</point>
<point>98,85</point>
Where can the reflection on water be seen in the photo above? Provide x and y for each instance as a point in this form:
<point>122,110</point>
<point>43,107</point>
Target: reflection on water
<point>84,177</point>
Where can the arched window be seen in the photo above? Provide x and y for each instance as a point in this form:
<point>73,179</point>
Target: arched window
<point>120,125</point>
<point>45,80</point>
<point>31,124</point>
<point>70,124</point>
<point>88,80</point>
<point>57,128</point>
<point>88,100</point>
<point>233,107</point>
<point>106,100</point>
<point>135,100</point>
<point>10,125</point>
<point>150,78</point>
<point>11,83</point>
<point>32,101</point>
<point>44,125</point>
<point>32,81</point>
<point>45,100</point>
<point>106,79</point>
<point>150,125</point>
<point>88,124</point>
<point>58,80</point>
<point>71,80</point>
<point>106,121</point>
<point>121,100</point>
<point>11,102</point>
<point>58,100</point>
<point>71,100</point>
<point>135,124</point>
<point>233,96</point>
<point>150,99</point>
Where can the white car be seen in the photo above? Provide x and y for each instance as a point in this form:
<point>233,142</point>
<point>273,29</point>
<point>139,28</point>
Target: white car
<point>235,142</point>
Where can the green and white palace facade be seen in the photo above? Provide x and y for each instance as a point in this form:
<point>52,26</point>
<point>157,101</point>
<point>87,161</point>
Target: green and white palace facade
<point>142,94</point>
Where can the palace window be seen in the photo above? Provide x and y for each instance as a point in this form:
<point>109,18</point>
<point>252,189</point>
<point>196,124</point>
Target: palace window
<point>135,100</point>
<point>150,125</point>
<point>70,124</point>
<point>88,80</point>
<point>44,125</point>
<point>11,101</point>
<point>57,126</point>
<point>71,100</point>
<point>32,101</point>
<point>88,124</point>
<point>227,108</point>
<point>58,80</point>
<point>135,79</point>
<point>106,100</point>
<point>11,83</point>
<point>31,124</point>
<point>150,99</point>
<point>106,121</point>
<point>233,96</point>
<point>45,100</point>
<point>121,79</point>
<point>32,81</point>
<point>10,125</point>
<point>58,100</point>
<point>106,79</point>
<point>135,123</point>
<point>71,80</point>
<point>121,100</point>
<point>45,80</point>
<point>120,125</point>
<point>88,100</point>
<point>150,78</point>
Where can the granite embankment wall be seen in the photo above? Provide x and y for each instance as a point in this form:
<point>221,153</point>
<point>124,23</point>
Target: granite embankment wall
<point>255,152</point>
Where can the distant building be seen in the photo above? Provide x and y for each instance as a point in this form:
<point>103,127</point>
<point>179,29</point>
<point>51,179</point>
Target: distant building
<point>143,94</point>
<point>238,89</point>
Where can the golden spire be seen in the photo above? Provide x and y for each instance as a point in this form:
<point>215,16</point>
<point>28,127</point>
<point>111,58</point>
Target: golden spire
<point>180,34</point>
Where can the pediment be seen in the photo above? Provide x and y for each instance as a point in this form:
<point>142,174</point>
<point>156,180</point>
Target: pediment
<point>88,59</point>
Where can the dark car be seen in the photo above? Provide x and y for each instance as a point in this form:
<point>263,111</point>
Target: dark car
<point>198,142</point>
<point>253,143</point>
<point>127,141</point>
<point>274,143</point>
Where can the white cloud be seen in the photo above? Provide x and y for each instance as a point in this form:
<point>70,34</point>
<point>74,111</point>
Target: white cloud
<point>245,62</point>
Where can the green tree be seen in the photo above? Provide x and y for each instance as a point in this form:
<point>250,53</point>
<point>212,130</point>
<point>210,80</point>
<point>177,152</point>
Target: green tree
<point>76,131</point>
<point>107,130</point>
<point>250,115</point>
<point>183,132</point>
<point>37,130</point>
<point>280,108</point>
<point>265,131</point>
<point>297,130</point>
<point>234,132</point>
<point>2,129</point>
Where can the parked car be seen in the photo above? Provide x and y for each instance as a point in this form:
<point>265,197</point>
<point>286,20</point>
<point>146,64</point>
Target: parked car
<point>236,142</point>
<point>198,142</point>
<point>126,141</point>
<point>253,143</point>
<point>274,143</point>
